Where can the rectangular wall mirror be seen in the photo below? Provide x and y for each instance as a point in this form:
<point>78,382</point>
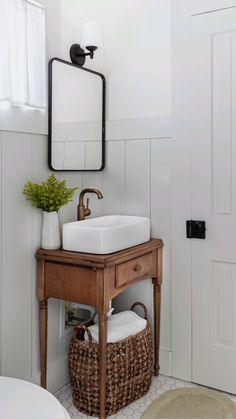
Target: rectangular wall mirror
<point>76,117</point>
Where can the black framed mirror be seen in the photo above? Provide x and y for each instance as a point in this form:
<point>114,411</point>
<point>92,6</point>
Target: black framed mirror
<point>77,117</point>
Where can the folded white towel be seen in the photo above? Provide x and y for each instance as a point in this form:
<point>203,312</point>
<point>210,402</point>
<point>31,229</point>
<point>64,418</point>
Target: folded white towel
<point>120,326</point>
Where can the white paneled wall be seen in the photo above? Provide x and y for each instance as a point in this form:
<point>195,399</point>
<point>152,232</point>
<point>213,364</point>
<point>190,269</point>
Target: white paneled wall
<point>113,179</point>
<point>16,251</point>
<point>138,169</point>
<point>137,180</point>
<point>24,156</point>
<point>16,255</point>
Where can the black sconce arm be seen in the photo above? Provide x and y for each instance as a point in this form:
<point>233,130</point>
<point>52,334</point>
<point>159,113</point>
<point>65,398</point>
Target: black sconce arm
<point>78,55</point>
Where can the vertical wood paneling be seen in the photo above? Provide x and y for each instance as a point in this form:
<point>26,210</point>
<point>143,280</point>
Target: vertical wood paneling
<point>181,286</point>
<point>127,177</point>
<point>222,123</point>
<point>113,179</point>
<point>68,213</point>
<point>16,256</point>
<point>161,208</point>
<point>138,177</point>
<point>137,180</point>
<point>40,171</point>
<point>59,343</point>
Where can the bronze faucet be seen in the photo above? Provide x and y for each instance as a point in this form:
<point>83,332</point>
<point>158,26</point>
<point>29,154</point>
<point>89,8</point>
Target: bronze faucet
<point>83,211</point>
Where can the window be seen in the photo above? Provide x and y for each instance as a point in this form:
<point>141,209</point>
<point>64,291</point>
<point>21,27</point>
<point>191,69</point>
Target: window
<point>22,53</point>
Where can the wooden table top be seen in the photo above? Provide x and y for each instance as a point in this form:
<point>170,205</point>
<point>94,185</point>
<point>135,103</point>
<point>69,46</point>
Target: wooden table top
<point>96,260</point>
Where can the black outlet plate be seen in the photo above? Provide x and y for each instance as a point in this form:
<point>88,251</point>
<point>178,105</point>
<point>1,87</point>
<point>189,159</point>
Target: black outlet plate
<point>195,229</point>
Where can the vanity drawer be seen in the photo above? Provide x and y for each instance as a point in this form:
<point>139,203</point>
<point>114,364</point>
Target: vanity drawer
<point>141,267</point>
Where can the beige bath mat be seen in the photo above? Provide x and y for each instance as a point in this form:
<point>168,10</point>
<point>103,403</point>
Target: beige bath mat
<point>191,403</point>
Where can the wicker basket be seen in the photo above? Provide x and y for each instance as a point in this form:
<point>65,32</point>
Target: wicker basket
<point>129,370</point>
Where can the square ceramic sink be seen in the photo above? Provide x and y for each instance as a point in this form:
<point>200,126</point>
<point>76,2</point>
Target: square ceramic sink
<point>106,234</point>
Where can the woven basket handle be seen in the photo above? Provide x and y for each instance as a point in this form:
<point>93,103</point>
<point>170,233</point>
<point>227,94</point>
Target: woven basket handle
<point>86,330</point>
<point>91,318</point>
<point>143,307</point>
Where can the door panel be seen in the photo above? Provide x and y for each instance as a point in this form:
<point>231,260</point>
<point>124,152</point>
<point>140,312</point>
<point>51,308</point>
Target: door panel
<point>214,198</point>
<point>223,291</point>
<point>207,6</point>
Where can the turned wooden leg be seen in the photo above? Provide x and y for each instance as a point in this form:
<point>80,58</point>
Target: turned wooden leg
<point>102,362</point>
<point>43,320</point>
<point>157,312</point>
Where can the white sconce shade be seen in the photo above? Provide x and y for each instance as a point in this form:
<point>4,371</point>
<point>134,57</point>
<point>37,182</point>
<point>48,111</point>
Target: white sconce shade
<point>91,35</point>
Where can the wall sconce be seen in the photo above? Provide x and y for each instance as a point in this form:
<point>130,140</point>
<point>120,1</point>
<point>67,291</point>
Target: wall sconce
<point>91,40</point>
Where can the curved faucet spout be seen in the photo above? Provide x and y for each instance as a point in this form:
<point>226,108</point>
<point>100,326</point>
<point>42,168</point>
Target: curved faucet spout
<point>89,190</point>
<point>83,211</point>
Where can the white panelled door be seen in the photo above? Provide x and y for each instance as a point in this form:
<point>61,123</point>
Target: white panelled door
<point>212,98</point>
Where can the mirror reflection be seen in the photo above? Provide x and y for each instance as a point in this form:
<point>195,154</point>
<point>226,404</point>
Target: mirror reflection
<point>77,118</point>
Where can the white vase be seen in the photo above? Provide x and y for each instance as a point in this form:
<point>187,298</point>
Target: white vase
<point>51,236</point>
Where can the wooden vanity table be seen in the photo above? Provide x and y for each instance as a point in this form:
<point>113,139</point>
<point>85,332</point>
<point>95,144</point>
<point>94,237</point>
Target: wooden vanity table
<point>95,280</point>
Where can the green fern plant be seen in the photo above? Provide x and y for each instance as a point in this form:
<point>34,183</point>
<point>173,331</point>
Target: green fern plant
<point>50,195</point>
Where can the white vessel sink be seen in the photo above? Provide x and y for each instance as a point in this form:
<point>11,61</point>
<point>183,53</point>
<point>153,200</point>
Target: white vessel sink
<point>105,234</point>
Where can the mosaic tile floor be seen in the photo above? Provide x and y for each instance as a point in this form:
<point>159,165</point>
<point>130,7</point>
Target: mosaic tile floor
<point>159,386</point>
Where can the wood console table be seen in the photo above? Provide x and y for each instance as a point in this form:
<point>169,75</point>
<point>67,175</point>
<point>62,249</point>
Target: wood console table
<point>95,280</point>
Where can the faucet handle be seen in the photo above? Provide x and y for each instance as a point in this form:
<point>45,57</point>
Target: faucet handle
<point>87,210</point>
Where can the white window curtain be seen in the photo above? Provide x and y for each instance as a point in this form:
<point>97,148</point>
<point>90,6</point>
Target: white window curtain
<point>22,53</point>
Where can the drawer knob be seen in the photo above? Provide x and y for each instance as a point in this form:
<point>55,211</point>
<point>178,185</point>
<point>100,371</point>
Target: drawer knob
<point>137,268</point>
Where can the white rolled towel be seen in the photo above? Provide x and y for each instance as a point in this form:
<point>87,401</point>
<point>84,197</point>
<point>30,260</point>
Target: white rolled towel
<point>119,326</point>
